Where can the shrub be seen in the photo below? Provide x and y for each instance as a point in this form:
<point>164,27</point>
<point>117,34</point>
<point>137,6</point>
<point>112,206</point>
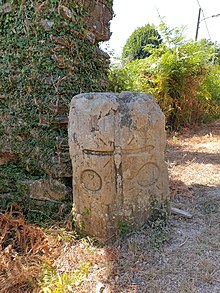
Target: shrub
<point>180,74</point>
<point>140,43</point>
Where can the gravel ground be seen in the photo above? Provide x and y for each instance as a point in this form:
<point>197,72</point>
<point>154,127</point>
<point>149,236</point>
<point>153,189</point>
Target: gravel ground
<point>189,260</point>
<point>182,257</point>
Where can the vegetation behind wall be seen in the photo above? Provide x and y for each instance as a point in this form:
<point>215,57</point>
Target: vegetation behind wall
<point>184,76</point>
<point>141,42</point>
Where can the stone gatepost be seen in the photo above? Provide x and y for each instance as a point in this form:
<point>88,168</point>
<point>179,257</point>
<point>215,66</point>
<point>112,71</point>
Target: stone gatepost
<point>117,144</point>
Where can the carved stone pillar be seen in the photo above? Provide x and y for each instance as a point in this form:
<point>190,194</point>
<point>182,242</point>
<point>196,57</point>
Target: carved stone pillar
<point>117,144</point>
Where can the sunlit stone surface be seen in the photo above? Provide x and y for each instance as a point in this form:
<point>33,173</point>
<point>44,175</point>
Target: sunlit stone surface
<point>117,144</point>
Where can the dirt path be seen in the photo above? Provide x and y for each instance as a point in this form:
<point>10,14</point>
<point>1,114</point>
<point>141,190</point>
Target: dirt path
<point>183,257</point>
<point>189,262</point>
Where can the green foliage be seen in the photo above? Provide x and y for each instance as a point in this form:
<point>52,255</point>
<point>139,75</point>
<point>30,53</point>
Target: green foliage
<point>159,233</point>
<point>45,59</point>
<point>158,224</point>
<point>55,282</point>
<point>141,42</point>
<point>123,227</point>
<point>180,74</point>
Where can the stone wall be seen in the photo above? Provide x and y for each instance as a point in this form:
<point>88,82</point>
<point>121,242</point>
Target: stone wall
<point>49,51</point>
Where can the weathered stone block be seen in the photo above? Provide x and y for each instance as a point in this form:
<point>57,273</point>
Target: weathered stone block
<point>47,190</point>
<point>99,15</point>
<point>117,144</point>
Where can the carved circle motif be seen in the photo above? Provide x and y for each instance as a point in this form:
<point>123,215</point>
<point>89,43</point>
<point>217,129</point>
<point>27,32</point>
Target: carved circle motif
<point>91,180</point>
<point>148,175</point>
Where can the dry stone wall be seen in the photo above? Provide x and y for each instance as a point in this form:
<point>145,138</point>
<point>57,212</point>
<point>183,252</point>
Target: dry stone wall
<point>49,51</point>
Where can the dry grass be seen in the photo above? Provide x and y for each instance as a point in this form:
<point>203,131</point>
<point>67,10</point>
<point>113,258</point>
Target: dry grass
<point>187,262</point>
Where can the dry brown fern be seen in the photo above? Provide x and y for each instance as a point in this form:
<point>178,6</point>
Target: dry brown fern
<point>17,271</point>
<point>21,248</point>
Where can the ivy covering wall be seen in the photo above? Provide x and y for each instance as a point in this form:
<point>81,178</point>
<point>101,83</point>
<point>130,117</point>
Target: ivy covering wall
<point>47,55</point>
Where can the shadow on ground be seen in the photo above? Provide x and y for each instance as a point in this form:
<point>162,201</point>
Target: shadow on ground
<point>187,257</point>
<point>187,262</point>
